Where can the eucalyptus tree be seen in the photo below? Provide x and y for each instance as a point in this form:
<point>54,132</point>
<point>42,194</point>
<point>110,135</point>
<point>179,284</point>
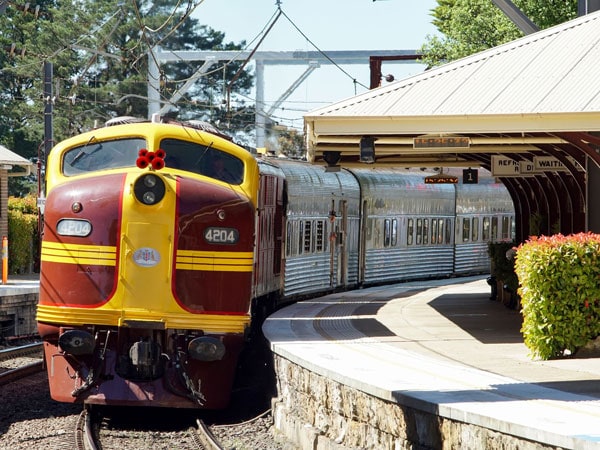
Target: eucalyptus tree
<point>471,26</point>
<point>99,52</point>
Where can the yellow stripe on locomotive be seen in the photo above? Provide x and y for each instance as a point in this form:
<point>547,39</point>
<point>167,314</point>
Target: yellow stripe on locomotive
<point>215,261</point>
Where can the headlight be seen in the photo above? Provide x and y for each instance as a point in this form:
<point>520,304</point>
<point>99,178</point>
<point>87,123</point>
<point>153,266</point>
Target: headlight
<point>73,227</point>
<point>206,348</point>
<point>77,342</point>
<point>149,189</point>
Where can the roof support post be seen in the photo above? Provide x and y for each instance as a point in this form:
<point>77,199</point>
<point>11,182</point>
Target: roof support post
<point>517,16</point>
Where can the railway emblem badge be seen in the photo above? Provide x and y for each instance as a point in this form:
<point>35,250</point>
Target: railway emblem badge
<point>146,257</point>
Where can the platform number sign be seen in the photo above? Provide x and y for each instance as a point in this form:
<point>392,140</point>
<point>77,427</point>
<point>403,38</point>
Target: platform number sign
<point>220,235</point>
<point>470,176</point>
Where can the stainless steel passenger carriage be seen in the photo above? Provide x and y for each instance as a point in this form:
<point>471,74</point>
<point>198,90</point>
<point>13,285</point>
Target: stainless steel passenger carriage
<point>484,214</point>
<point>322,229</point>
<point>407,226</point>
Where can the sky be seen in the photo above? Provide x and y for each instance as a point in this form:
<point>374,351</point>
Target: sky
<point>329,25</point>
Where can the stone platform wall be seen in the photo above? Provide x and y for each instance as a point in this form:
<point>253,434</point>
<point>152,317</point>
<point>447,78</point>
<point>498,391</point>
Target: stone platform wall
<point>21,308</point>
<point>321,414</point>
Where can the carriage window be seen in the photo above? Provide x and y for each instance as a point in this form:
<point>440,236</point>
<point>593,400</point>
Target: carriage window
<point>386,233</point>
<point>425,231</point>
<point>475,229</point>
<point>288,239</point>
<point>320,241</point>
<point>440,239</point>
<point>394,232</point>
<point>419,231</point>
<point>494,228</point>
<point>466,233</point>
<point>485,234</point>
<point>301,237</point>
<point>506,227</point>
<point>409,232</point>
<point>448,231</point>
<point>434,231</point>
<point>307,236</point>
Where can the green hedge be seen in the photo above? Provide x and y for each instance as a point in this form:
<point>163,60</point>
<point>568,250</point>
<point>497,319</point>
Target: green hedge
<point>23,240</point>
<point>560,293</point>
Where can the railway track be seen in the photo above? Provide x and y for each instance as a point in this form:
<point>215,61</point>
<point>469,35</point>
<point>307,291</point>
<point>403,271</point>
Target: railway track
<point>21,350</point>
<point>90,433</point>
<point>84,432</point>
<point>24,367</point>
<point>205,438</point>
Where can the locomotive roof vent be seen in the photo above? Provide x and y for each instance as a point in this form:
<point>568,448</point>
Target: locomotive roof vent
<point>149,189</point>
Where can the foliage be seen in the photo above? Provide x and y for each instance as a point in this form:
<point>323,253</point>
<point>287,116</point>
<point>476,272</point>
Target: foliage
<point>503,270</point>
<point>560,294</point>
<point>99,51</point>
<point>23,240</point>
<point>471,26</point>
<point>286,141</point>
<point>503,266</point>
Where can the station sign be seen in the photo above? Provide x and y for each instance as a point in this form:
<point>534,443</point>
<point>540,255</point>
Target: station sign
<point>470,176</point>
<point>441,142</point>
<point>441,179</point>
<point>507,167</point>
<point>549,163</point>
<point>503,166</point>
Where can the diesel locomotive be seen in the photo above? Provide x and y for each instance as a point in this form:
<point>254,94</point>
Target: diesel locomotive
<point>164,244</point>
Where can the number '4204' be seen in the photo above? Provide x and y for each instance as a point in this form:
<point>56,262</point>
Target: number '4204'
<point>216,235</point>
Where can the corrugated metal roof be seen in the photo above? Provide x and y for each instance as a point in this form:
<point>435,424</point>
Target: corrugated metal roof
<point>551,71</point>
<point>11,158</point>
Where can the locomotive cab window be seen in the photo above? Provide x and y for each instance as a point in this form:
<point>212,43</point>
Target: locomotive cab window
<point>101,155</point>
<point>203,160</point>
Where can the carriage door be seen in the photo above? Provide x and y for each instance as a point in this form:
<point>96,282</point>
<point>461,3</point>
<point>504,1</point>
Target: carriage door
<point>338,260</point>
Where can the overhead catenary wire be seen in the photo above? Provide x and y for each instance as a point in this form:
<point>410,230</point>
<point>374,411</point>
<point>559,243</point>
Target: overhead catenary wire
<point>325,55</point>
<point>237,74</point>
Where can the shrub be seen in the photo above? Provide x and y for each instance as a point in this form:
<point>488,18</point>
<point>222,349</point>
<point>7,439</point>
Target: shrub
<point>560,293</point>
<point>23,238</point>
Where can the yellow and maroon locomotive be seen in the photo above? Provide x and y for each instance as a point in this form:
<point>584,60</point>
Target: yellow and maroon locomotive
<point>166,243</point>
<point>147,271</point>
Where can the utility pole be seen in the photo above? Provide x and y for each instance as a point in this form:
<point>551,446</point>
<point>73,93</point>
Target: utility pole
<point>48,101</point>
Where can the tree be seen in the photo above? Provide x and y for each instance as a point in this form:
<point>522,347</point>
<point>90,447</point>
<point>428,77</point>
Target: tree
<point>99,51</point>
<point>471,26</point>
<point>286,141</point>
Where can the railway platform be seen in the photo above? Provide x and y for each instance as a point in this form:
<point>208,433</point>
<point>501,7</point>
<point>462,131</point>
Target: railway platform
<point>18,301</point>
<point>430,364</point>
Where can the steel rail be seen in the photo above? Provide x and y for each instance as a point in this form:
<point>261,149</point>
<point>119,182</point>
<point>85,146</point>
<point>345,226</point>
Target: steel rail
<point>21,350</point>
<point>20,372</point>
<point>205,438</point>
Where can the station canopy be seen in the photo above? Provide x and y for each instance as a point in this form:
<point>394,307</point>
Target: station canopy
<point>533,98</point>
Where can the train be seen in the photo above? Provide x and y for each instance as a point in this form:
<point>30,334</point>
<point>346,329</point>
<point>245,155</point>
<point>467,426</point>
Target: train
<point>165,244</point>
